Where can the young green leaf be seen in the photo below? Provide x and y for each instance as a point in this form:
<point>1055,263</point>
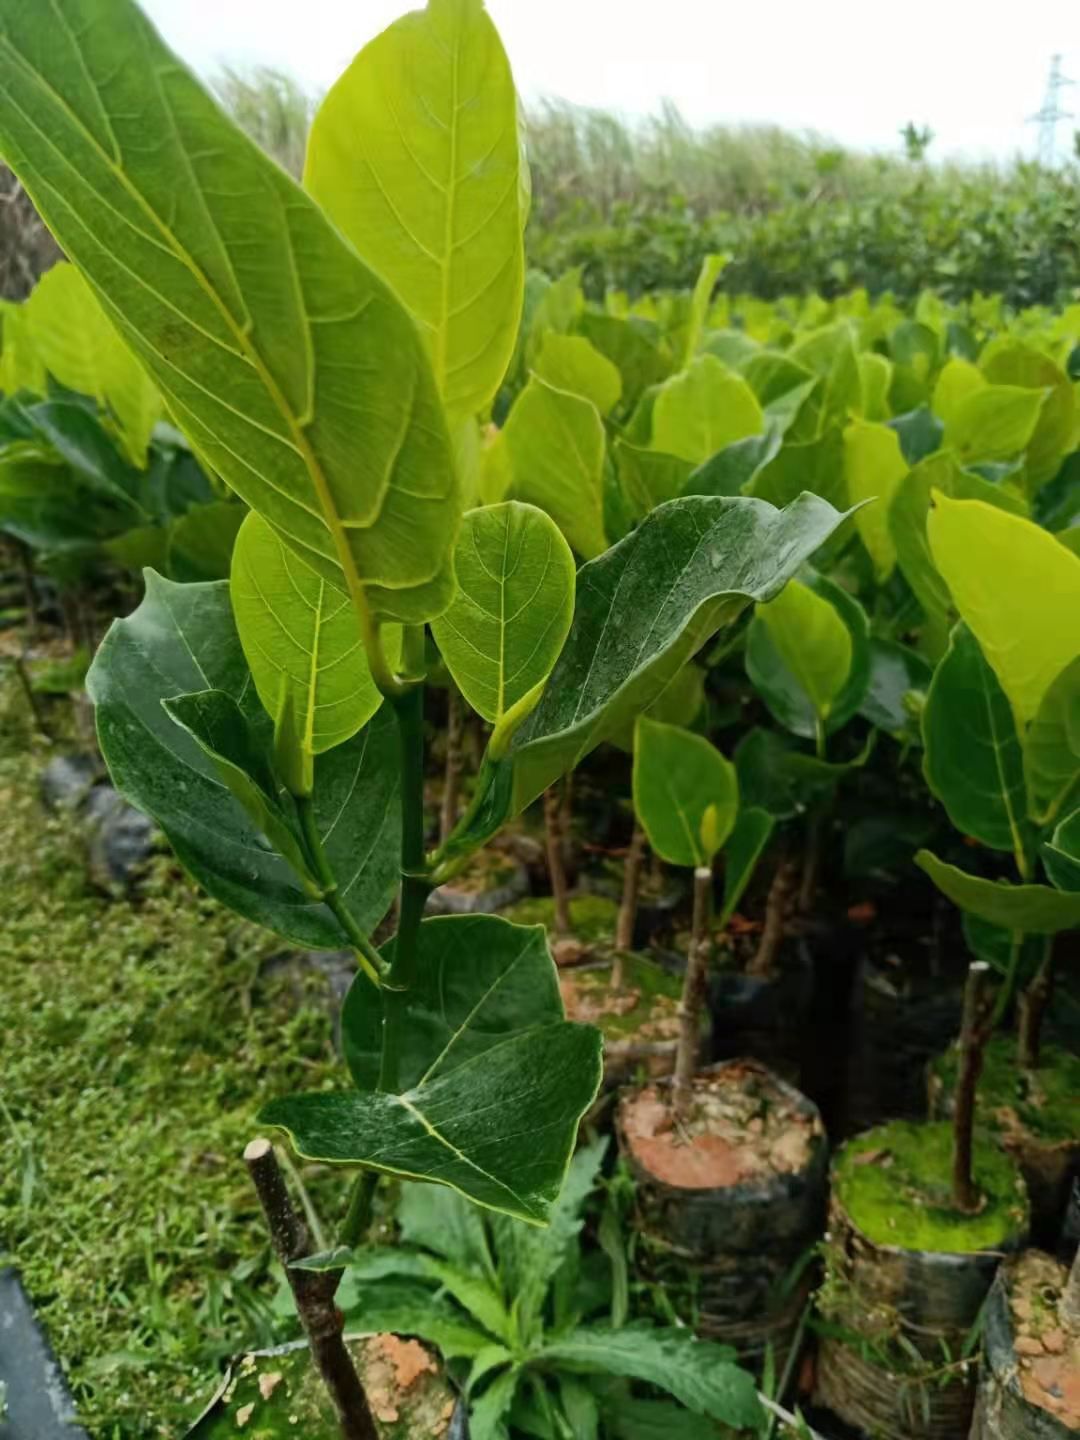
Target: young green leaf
<point>686,794</point>
<point>181,639</point>
<point>289,365</point>
<point>570,362</point>
<point>1017,589</point>
<point>973,761</point>
<point>703,409</point>
<point>704,285</point>
<point>21,367</point>
<point>752,832</point>
<point>699,1373</point>
<point>494,1078</point>
<point>958,379</point>
<point>993,423</point>
<point>1034,909</point>
<point>415,155</point>
<point>556,445</point>
<point>799,637</point>
<point>300,639</point>
<point>873,467</point>
<point>1008,361</point>
<point>1052,746</point>
<point>632,347</point>
<point>503,633</point>
<point>875,376</point>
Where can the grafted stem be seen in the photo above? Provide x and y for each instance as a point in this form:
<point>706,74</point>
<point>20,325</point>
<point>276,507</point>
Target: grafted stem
<point>1034,1003</point>
<point>553,836</point>
<point>628,905</point>
<point>314,1295</point>
<point>693,993</point>
<point>975,1027</point>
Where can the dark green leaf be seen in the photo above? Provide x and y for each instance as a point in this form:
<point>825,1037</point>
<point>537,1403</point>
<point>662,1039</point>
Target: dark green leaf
<point>898,677</point>
<point>182,639</point>
<point>1052,746</point>
<point>1033,908</point>
<point>777,777</point>
<point>973,761</point>
<point>731,471</point>
<point>753,830</point>
<point>1061,854</point>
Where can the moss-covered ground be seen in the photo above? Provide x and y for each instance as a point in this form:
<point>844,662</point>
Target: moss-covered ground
<point>895,1183</point>
<point>593,916</point>
<point>1044,1102</point>
<point>137,1042</point>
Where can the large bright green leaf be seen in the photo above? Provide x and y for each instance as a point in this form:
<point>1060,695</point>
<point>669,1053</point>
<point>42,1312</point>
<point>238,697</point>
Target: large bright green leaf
<point>415,155</point>
<point>182,639</point>
<point>874,465</point>
<point>808,655</point>
<point>570,362</point>
<point>301,641</point>
<point>993,423</point>
<point>703,409</point>
<point>1052,746</point>
<point>686,794</point>
<point>1017,589</point>
<point>875,375</point>
<point>83,351</point>
<point>958,379</point>
<point>494,1078</point>
<point>642,611</point>
<point>503,633</point>
<point>21,367</point>
<point>290,366</point>
<point>556,445</point>
<point>1011,362</point>
<point>1033,909</point>
<point>973,762</point>
<point>699,1373</point>
<point>830,354</point>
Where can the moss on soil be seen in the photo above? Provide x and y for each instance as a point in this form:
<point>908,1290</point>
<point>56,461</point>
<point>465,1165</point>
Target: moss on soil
<point>894,1183</point>
<point>593,916</point>
<point>656,991</point>
<point>138,1042</point>
<point>1044,1100</point>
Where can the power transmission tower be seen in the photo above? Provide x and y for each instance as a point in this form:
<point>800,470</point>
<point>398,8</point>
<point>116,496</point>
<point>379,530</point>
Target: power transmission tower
<point>1051,114</point>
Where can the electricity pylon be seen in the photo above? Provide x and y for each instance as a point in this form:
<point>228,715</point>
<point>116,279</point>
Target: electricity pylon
<point>1051,114</point>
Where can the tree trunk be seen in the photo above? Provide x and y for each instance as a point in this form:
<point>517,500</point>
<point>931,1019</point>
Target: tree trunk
<point>313,1292</point>
<point>763,964</point>
<point>1033,1006</point>
<point>974,1033</point>
<point>693,995</point>
<point>455,735</point>
<point>628,905</point>
<point>556,864</point>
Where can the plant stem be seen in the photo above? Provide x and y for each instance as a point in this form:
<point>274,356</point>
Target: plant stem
<point>974,1033</point>
<point>1034,1002</point>
<point>314,1295</point>
<point>358,1216</point>
<point>26,570</point>
<point>815,834</point>
<point>415,880</point>
<point>455,734</point>
<point>628,905</point>
<point>764,962</point>
<point>27,686</point>
<point>1008,988</point>
<point>693,994</point>
<point>553,837</point>
<point>371,962</point>
<point>1069,1309</point>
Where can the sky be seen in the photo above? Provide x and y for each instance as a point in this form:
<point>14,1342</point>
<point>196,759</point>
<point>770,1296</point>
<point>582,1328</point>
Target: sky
<point>971,70</point>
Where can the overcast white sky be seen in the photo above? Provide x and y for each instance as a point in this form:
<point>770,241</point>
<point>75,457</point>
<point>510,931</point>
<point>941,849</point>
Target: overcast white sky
<point>971,69</point>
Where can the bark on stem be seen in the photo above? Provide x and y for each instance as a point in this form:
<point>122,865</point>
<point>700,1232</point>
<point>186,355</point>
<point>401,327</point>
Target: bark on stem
<point>763,965</point>
<point>313,1293</point>
<point>1034,1002</point>
<point>627,918</point>
<point>455,737</point>
<point>693,995</point>
<point>553,835</point>
<point>974,1033</point>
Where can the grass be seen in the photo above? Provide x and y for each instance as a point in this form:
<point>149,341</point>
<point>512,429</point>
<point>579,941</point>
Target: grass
<point>138,1042</point>
<point>894,1182</point>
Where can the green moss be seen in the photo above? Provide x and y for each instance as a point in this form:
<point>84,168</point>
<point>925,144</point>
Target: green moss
<point>658,996</point>
<point>593,916</point>
<point>137,1045</point>
<point>903,1196</point>
<point>1043,1100</point>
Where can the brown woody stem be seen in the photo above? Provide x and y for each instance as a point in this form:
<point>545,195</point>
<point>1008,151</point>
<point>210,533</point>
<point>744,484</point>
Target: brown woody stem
<point>975,1029</point>
<point>314,1295</point>
<point>693,995</point>
<point>1034,1002</point>
<point>553,837</point>
<point>764,962</point>
<point>627,917</point>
